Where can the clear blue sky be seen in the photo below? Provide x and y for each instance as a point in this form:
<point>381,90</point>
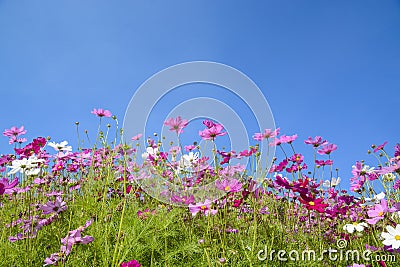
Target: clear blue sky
<point>329,68</point>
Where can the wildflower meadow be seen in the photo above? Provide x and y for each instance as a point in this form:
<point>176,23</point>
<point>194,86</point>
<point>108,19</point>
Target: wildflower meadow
<point>109,202</point>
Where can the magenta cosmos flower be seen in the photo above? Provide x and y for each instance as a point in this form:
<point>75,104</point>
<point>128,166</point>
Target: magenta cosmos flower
<point>101,112</point>
<point>176,124</point>
<point>229,186</point>
<point>202,207</point>
<point>6,187</point>
<point>212,133</point>
<point>132,263</point>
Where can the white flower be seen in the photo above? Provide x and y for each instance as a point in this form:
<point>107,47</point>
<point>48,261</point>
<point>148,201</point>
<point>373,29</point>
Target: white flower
<point>392,237</point>
<point>355,226</point>
<point>376,199</point>
<point>150,151</point>
<point>25,165</point>
<point>188,160</point>
<point>332,183</point>
<point>60,146</point>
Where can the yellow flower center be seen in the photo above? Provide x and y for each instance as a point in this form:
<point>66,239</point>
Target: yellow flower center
<point>203,207</point>
<point>227,188</point>
<point>397,237</point>
<point>355,223</point>
<point>311,203</point>
<point>381,213</point>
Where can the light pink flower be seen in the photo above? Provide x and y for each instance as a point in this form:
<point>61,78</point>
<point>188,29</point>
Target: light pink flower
<point>176,124</point>
<point>229,186</point>
<point>14,131</point>
<point>212,133</point>
<point>202,208</point>
<point>101,112</point>
<point>268,133</point>
<point>136,137</point>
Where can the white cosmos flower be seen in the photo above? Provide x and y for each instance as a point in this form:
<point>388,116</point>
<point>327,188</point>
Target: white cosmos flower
<point>331,183</point>
<point>376,199</point>
<point>189,160</point>
<point>392,237</point>
<point>150,151</point>
<point>29,166</point>
<point>355,226</point>
<point>60,146</point>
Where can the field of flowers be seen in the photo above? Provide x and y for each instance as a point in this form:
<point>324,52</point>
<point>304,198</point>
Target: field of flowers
<point>114,204</point>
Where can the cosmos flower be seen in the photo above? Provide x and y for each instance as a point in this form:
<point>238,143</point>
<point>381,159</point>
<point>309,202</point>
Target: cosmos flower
<point>60,146</point>
<point>212,133</point>
<point>6,187</point>
<point>359,227</point>
<point>57,206</point>
<point>202,208</point>
<point>14,131</point>
<point>392,237</point>
<point>268,133</point>
<point>176,124</point>
<point>229,185</point>
<point>29,166</point>
<point>327,149</point>
<point>102,113</point>
<point>316,142</point>
<point>132,263</point>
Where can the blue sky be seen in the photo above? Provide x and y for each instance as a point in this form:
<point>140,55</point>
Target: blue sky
<point>328,68</point>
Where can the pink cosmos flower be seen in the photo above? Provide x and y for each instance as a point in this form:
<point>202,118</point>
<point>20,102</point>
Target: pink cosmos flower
<point>209,123</point>
<point>202,208</point>
<point>229,186</point>
<point>101,112</point>
<point>212,133</point>
<point>136,137</point>
<point>268,133</point>
<point>57,206</point>
<point>184,199</point>
<point>316,142</point>
<point>14,131</point>
<point>176,124</point>
<point>288,139</point>
<point>380,147</point>
<point>327,149</point>
<point>189,148</point>
<point>378,212</point>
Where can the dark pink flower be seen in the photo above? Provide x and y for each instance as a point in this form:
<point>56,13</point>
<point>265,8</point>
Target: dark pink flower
<point>380,147</point>
<point>176,124</point>
<point>6,187</point>
<point>209,123</point>
<point>101,113</point>
<point>132,263</point>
